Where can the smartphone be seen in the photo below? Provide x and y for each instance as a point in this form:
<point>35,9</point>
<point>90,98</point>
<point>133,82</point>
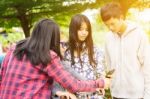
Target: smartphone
<point>109,73</point>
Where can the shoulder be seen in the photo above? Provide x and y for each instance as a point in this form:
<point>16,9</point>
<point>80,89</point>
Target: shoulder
<point>109,36</point>
<point>53,54</point>
<point>11,49</point>
<point>135,28</point>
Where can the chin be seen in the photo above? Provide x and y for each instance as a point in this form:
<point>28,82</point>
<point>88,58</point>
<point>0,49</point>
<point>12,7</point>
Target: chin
<point>82,40</point>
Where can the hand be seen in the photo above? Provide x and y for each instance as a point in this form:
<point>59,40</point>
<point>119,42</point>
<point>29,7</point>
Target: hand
<point>107,83</point>
<point>65,94</point>
<point>101,91</point>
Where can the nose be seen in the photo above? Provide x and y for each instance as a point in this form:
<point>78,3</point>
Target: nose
<point>84,32</point>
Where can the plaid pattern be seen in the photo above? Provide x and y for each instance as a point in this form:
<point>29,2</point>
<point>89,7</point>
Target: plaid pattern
<point>21,80</point>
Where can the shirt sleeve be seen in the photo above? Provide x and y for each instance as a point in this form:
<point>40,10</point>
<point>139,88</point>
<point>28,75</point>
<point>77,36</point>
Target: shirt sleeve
<point>67,66</point>
<point>3,65</point>
<point>144,56</point>
<point>99,55</point>
<point>57,72</point>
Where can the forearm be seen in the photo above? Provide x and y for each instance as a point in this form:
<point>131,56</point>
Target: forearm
<point>74,85</point>
<point>68,81</point>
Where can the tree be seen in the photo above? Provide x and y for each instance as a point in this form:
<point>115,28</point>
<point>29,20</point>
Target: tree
<point>25,12</point>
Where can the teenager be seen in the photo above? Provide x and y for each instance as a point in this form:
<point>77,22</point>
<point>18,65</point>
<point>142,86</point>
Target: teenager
<point>128,53</point>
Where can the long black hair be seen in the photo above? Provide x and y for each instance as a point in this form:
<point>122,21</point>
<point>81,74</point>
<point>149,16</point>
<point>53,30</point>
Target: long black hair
<point>45,37</point>
<point>75,44</point>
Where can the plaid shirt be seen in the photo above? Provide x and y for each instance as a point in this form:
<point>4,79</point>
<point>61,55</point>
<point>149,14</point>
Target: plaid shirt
<point>22,80</point>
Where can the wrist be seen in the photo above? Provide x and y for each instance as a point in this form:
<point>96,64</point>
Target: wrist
<point>101,83</point>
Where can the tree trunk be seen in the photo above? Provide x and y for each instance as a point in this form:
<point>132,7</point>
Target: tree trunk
<point>25,27</point>
<point>24,21</point>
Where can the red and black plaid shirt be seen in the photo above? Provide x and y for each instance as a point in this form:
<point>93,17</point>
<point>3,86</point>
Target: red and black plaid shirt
<point>22,80</point>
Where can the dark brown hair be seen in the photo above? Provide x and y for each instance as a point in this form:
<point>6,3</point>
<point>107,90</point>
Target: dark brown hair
<point>112,9</point>
<point>45,37</point>
<point>75,43</point>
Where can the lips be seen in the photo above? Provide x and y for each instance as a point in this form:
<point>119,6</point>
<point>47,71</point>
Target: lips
<point>83,36</point>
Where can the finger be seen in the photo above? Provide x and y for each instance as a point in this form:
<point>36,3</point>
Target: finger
<point>67,96</point>
<point>73,96</point>
<point>103,92</point>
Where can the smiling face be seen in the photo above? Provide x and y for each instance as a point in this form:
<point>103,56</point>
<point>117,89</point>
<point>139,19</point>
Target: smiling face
<point>83,32</point>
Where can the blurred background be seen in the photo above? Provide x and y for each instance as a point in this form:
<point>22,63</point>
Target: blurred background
<point>17,17</point>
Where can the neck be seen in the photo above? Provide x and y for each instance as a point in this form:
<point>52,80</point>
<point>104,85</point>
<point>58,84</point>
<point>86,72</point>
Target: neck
<point>122,29</point>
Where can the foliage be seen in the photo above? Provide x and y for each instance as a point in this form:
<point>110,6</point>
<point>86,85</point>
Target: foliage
<point>25,13</point>
<point>8,38</point>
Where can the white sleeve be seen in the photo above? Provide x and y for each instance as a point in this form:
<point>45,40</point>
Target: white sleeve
<point>144,58</point>
<point>107,59</point>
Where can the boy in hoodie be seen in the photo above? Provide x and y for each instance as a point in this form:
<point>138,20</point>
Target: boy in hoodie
<point>127,51</point>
